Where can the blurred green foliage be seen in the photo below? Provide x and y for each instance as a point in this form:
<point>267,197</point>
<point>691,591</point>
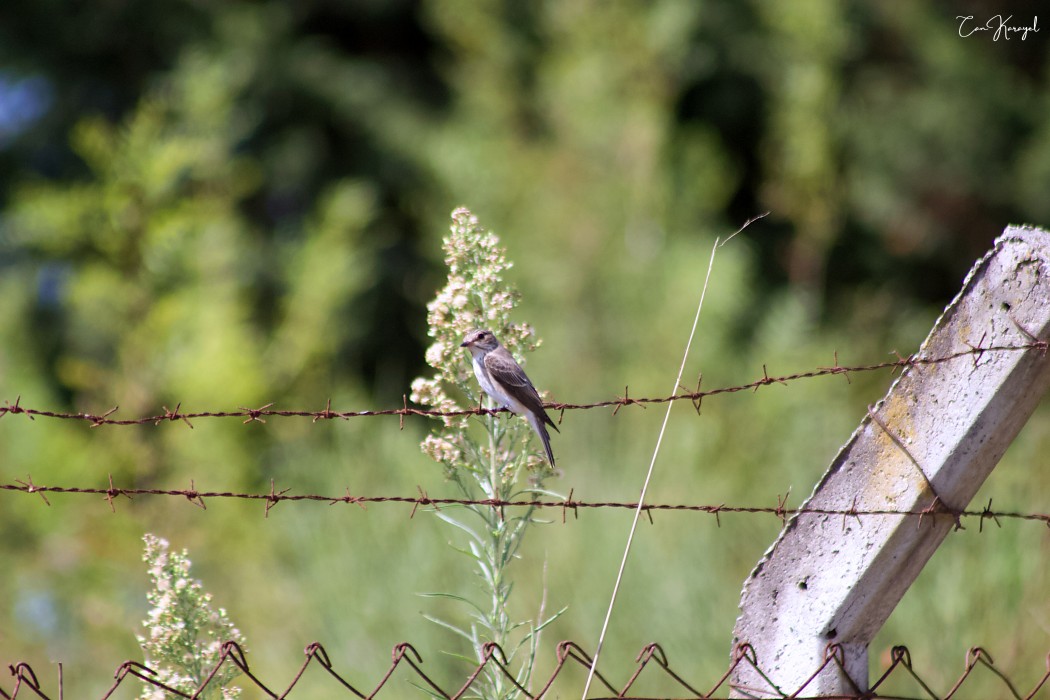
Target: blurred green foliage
<point>228,204</point>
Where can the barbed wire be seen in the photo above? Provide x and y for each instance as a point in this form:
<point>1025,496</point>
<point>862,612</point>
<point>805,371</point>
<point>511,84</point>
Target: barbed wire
<point>696,397</point>
<point>406,658</point>
<point>274,496</point>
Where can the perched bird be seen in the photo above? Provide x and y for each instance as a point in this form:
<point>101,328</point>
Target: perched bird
<point>504,380</point>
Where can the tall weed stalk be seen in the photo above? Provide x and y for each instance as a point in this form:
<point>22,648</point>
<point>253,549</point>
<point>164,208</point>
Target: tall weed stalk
<point>485,457</point>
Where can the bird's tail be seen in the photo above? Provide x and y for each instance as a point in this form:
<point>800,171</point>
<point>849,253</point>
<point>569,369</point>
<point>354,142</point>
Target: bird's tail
<point>541,430</point>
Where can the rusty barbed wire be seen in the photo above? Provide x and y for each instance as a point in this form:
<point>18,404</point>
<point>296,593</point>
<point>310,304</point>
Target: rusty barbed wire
<point>650,666</point>
<point>696,397</point>
<point>275,496</point>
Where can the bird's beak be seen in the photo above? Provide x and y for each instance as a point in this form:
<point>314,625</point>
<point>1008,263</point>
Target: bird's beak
<point>464,344</point>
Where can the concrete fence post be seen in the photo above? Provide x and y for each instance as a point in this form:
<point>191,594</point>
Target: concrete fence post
<point>928,445</point>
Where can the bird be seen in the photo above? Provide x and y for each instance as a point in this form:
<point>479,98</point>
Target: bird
<point>504,380</point>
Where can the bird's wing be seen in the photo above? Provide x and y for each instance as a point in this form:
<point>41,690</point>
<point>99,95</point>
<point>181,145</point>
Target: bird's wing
<point>504,370</point>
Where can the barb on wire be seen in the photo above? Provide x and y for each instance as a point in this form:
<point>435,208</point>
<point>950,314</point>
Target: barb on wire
<point>273,496</point>
<point>259,415</point>
<point>568,654</point>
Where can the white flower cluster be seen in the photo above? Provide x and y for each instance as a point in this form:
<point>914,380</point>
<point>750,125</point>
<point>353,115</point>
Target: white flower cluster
<point>184,634</point>
<point>475,296</point>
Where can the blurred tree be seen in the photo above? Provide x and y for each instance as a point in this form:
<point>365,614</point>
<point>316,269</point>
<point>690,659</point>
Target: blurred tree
<point>103,61</point>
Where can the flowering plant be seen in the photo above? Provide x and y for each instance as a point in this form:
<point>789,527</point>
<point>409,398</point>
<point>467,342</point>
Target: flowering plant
<point>492,467</point>
<point>184,634</point>
<point>474,296</point>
